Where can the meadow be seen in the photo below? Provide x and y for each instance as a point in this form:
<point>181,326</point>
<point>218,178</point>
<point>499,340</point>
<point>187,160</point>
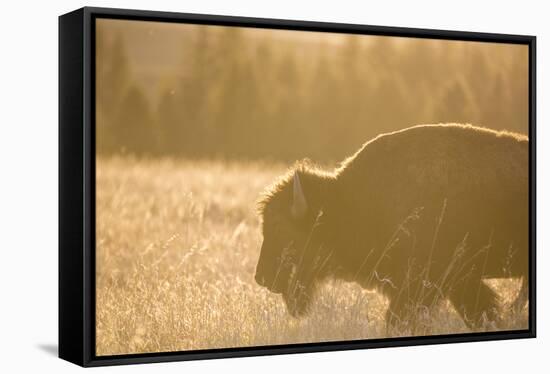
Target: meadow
<point>177,246</point>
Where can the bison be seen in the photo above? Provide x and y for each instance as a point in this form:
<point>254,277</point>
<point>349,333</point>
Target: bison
<point>420,215</point>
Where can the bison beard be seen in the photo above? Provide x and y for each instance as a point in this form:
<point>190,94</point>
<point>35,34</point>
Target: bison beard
<point>297,298</point>
<point>300,289</point>
<point>420,215</point>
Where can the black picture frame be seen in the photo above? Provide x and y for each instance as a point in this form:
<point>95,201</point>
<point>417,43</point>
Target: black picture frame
<point>77,185</point>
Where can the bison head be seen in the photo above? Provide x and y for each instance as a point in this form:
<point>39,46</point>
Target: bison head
<point>291,253</point>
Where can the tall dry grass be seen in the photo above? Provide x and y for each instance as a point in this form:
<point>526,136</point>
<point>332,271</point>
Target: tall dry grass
<point>177,245</point>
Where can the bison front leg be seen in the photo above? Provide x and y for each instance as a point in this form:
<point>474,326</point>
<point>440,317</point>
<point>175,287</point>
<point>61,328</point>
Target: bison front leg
<point>396,317</point>
<point>476,303</point>
<point>410,308</point>
<point>400,318</point>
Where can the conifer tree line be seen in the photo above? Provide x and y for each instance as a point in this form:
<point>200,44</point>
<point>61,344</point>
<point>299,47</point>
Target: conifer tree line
<point>239,96</point>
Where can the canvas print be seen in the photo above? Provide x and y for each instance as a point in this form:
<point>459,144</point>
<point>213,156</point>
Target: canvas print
<point>258,187</point>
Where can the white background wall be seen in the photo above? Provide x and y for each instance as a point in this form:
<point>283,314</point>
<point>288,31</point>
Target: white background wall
<point>28,175</point>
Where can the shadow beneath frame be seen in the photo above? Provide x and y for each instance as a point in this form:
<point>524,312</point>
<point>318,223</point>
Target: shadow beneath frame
<point>51,349</point>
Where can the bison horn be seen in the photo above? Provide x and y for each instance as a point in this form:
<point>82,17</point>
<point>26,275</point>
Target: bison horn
<point>299,204</point>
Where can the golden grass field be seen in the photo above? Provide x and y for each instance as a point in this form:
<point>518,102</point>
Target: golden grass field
<point>177,246</point>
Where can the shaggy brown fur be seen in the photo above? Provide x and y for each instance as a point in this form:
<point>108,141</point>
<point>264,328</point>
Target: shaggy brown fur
<point>420,214</point>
